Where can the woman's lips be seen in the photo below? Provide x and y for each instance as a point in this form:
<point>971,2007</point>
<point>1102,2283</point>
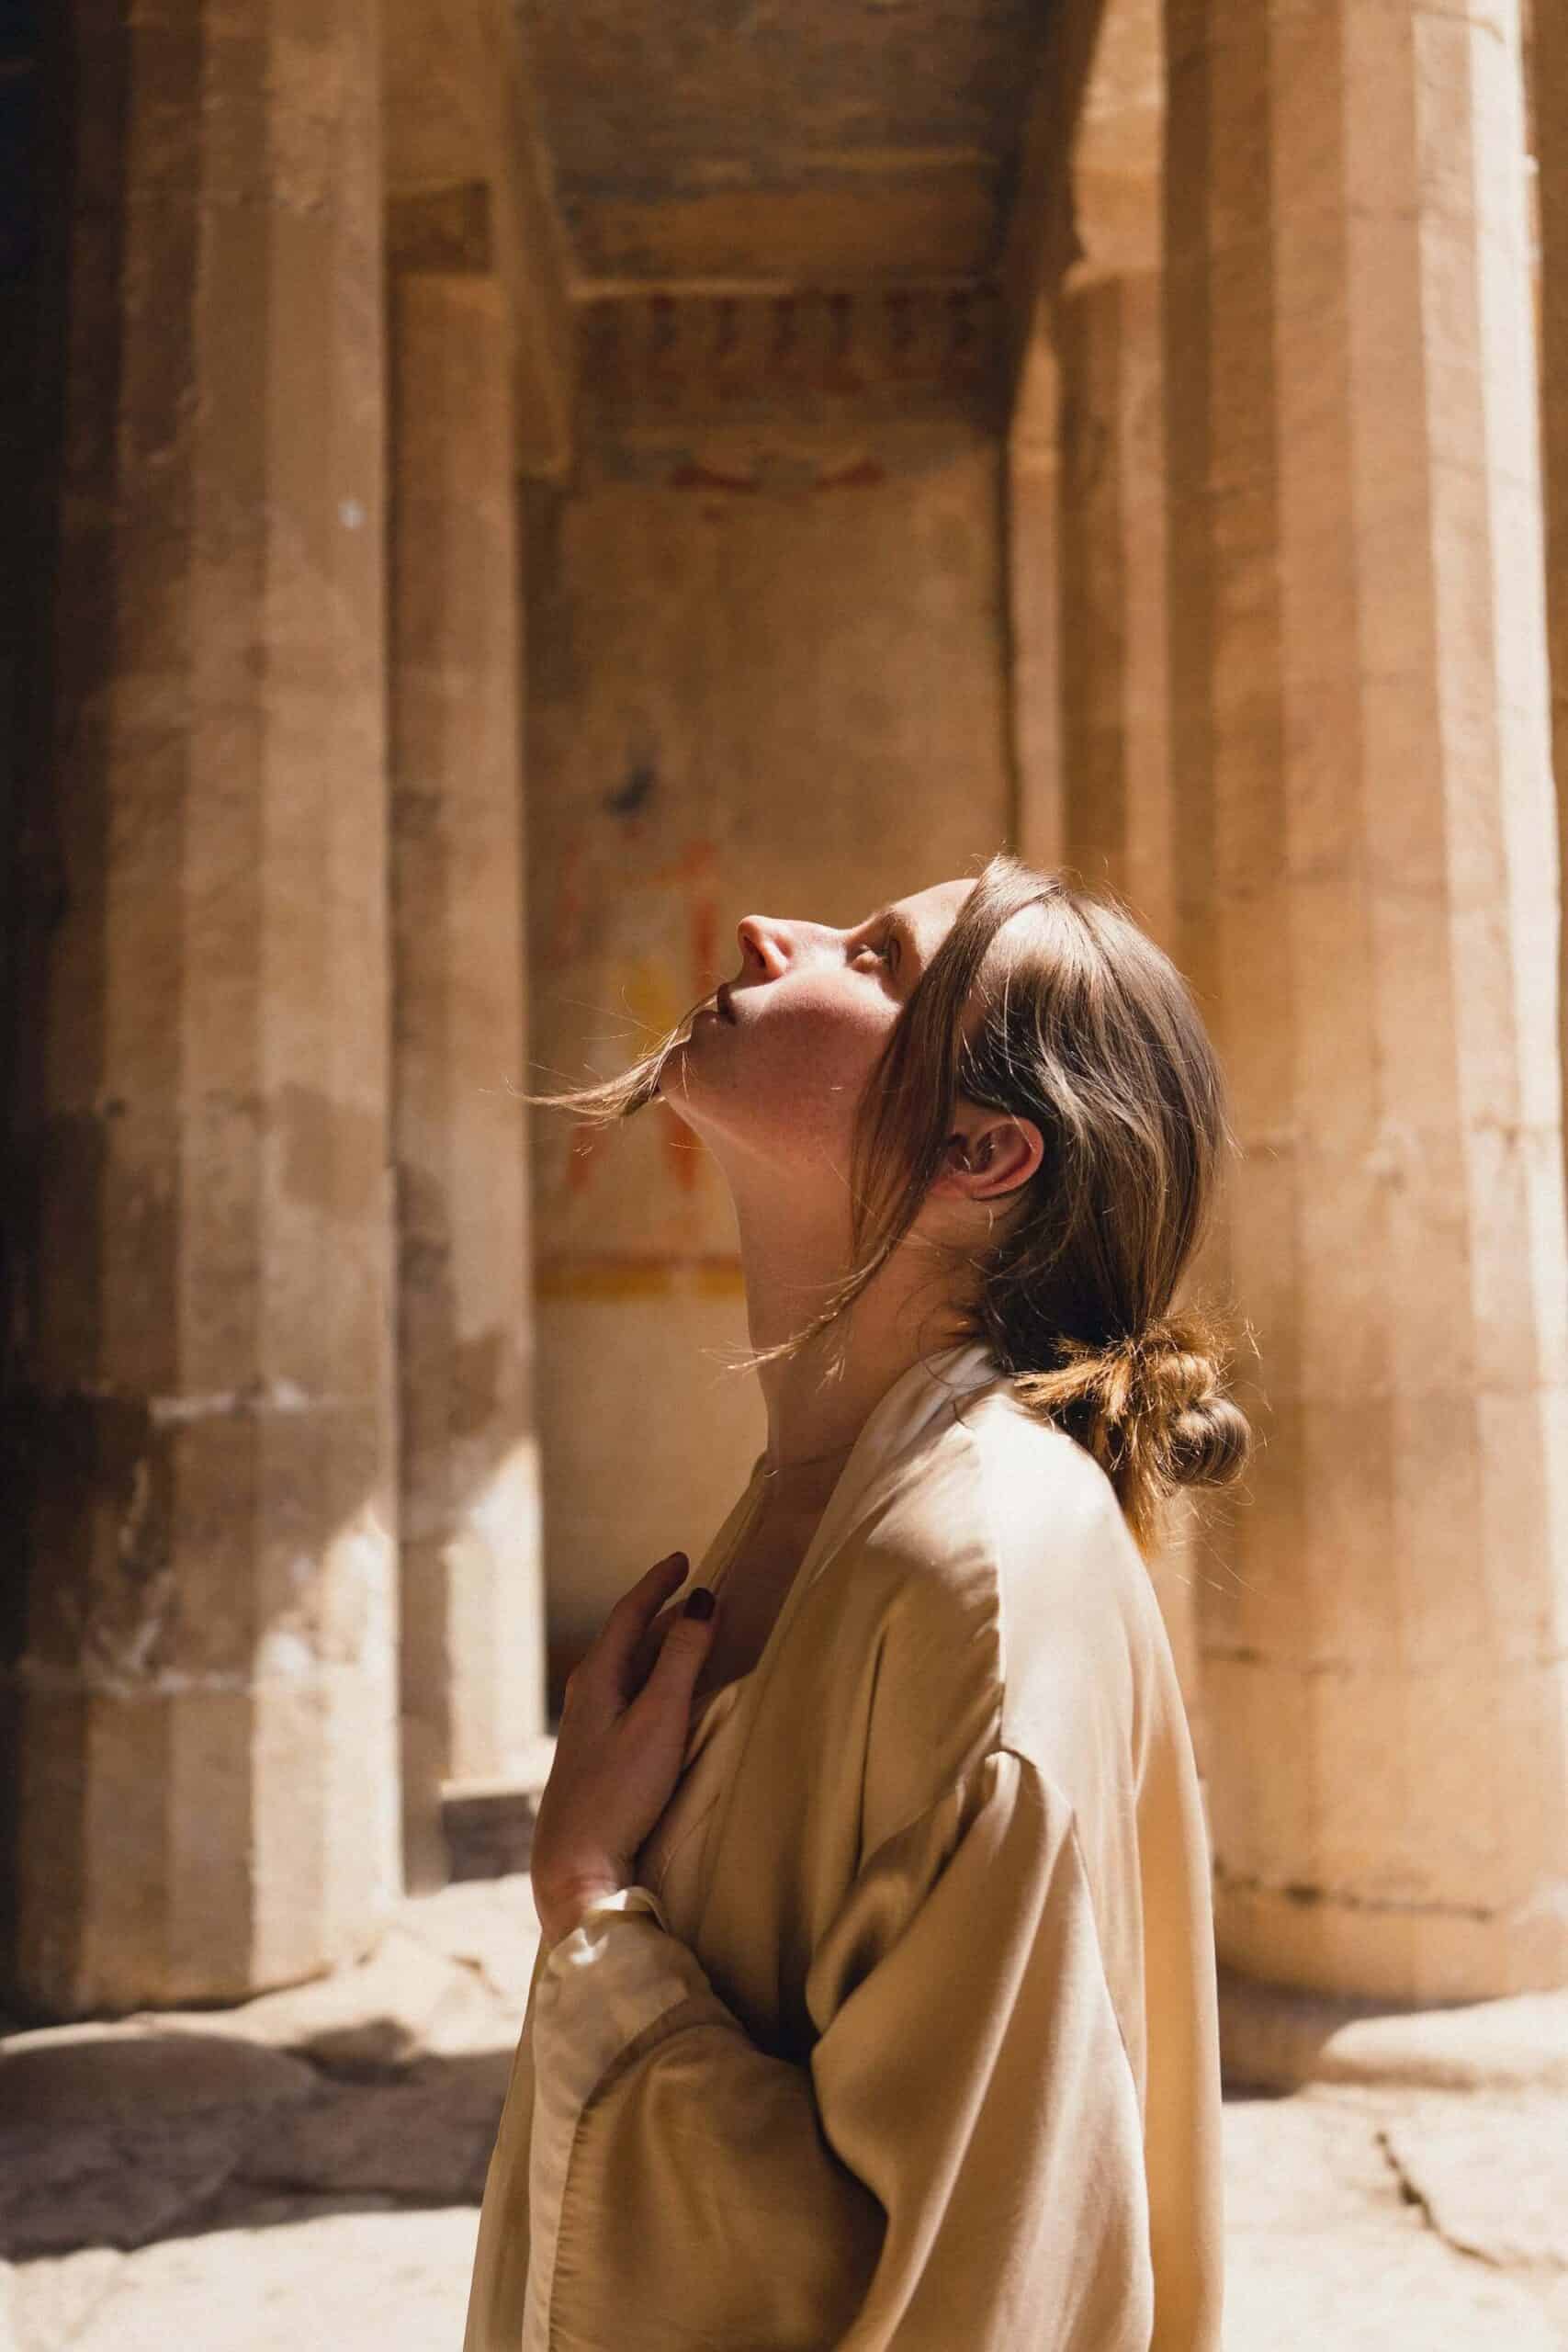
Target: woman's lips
<point>726,1010</point>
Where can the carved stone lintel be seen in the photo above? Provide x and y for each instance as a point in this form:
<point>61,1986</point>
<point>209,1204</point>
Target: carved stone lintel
<point>833,350</point>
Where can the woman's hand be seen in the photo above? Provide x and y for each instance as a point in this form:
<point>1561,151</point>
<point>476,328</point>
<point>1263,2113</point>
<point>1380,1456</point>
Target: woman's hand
<point>619,1750</point>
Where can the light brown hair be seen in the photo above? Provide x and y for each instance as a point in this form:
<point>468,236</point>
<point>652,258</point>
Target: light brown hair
<point>1081,1023</point>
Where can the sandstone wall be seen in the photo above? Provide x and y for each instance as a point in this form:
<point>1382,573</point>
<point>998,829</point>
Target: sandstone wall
<point>766,674</point>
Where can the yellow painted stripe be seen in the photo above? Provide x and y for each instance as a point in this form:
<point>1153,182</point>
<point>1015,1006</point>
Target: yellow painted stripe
<point>611,1277</point>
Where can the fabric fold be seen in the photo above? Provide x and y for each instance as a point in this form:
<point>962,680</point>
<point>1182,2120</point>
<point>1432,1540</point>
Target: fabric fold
<point>960,2163</point>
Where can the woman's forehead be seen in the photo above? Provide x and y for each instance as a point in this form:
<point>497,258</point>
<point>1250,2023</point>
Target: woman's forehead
<point>939,903</point>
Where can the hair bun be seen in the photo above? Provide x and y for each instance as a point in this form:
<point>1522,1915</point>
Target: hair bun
<point>1167,1380</point>
<point>1165,1366</point>
<point>1150,1399</point>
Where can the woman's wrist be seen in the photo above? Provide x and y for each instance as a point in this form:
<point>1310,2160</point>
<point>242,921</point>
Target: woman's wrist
<point>560,1912</point>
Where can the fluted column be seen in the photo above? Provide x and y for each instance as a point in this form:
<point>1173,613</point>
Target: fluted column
<point>1119,819</point>
<point>1368,863</point>
<point>1550,62</point>
<point>1087,545</point>
<point>1034,556</point>
<point>473,1671</point>
<point>202,1711</point>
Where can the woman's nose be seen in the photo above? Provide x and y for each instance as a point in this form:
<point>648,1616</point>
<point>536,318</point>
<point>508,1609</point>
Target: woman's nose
<point>763,944</point>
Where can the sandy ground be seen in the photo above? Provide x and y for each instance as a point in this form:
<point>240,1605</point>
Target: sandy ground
<point>304,2172</point>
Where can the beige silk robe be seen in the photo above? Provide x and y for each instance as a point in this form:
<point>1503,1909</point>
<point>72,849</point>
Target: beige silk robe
<point>906,2035</point>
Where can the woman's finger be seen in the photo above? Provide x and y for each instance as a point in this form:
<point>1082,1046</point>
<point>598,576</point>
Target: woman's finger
<point>679,1663</point>
<point>648,1647</point>
<point>628,1624</point>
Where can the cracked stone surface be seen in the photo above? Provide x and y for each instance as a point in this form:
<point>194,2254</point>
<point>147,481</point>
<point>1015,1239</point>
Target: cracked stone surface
<point>1493,2179</point>
<point>305,2170</point>
<point>1332,2241</point>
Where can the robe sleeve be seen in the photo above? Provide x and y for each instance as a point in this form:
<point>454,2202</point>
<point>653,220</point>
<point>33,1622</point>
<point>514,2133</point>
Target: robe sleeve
<point>960,2163</point>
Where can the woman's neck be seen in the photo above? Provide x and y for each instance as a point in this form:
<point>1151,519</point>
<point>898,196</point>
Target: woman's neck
<point>901,1317</point>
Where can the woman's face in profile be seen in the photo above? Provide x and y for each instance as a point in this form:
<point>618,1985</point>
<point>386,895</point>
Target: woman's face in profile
<point>808,1012</point>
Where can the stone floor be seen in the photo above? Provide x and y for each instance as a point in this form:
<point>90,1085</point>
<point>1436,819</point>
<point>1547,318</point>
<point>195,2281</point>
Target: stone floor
<point>304,2172</point>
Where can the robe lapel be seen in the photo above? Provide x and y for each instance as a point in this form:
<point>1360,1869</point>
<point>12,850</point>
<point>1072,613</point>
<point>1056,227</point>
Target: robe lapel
<point>920,1403</point>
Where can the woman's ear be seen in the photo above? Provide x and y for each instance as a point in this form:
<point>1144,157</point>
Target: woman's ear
<point>988,1155</point>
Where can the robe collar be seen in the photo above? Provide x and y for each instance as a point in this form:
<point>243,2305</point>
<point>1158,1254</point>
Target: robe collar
<point>922,1401</point>
<point>921,1404</point>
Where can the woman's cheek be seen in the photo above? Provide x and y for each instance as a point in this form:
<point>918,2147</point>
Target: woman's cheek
<point>819,1075</point>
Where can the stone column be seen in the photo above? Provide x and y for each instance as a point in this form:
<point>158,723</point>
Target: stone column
<point>1034,586</point>
<point>201,1717</point>
<point>1086,542</point>
<point>1549,61</point>
<point>473,1667</point>
<point>1120,817</point>
<point>1368,861</point>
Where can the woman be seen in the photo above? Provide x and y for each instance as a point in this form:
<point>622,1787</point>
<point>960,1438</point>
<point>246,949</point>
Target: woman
<point>874,2002</point>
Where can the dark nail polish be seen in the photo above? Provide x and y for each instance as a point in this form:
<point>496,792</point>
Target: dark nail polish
<point>699,1602</point>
